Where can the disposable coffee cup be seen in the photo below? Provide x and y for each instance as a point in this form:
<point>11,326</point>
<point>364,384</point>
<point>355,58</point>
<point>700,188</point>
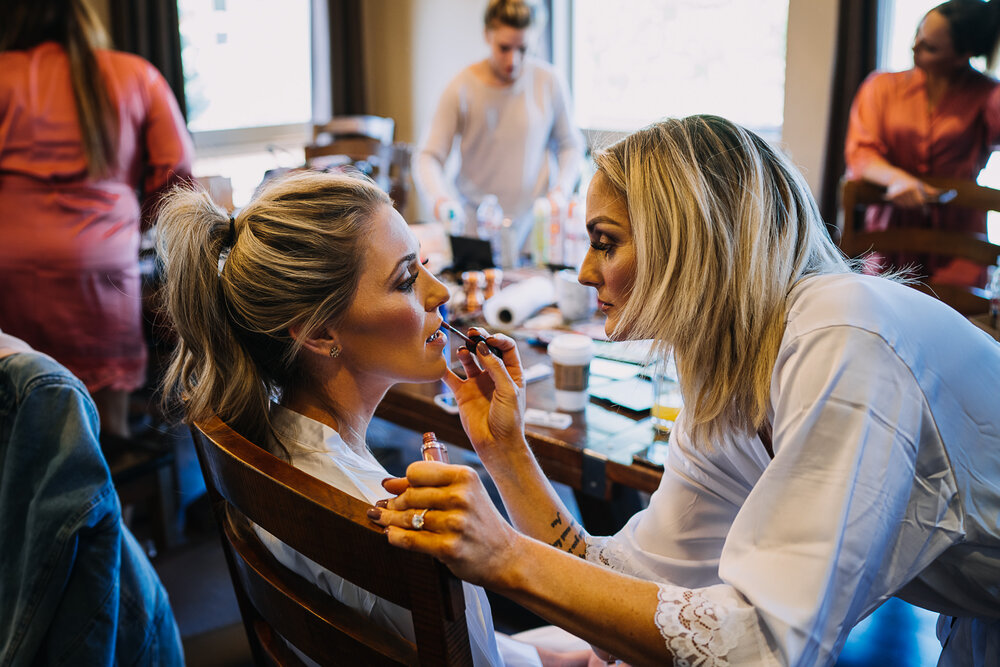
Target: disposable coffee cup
<point>571,355</point>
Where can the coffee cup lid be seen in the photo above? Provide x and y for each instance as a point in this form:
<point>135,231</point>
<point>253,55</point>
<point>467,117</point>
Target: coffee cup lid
<point>571,349</point>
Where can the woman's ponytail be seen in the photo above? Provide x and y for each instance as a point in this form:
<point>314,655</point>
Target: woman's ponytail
<point>211,372</point>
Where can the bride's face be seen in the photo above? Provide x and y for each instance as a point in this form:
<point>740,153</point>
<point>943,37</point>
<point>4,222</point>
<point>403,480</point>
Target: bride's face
<point>391,330</point>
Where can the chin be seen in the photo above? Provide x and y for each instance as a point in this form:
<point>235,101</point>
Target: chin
<point>432,371</point>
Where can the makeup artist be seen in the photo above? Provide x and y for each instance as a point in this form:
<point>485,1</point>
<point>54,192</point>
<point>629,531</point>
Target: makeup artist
<point>840,441</point>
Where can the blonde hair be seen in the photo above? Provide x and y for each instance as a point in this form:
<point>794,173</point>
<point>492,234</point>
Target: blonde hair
<point>294,260</point>
<point>520,14</point>
<point>723,227</point>
<point>74,26</point>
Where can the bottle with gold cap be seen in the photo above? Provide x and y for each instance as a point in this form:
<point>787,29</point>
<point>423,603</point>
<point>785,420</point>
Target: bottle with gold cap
<point>432,449</point>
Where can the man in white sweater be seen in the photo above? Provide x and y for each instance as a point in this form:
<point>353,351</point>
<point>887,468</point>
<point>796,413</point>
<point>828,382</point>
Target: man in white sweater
<point>517,140</point>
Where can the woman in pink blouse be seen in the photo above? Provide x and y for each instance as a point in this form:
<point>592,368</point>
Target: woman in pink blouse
<point>941,118</point>
<point>88,138</point>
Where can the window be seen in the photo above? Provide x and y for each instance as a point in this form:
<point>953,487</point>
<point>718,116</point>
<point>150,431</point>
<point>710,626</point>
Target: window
<point>901,18</point>
<point>658,59</point>
<point>248,81</point>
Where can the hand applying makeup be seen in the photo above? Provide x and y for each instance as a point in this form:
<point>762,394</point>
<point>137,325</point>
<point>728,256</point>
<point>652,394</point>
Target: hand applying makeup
<point>491,399</point>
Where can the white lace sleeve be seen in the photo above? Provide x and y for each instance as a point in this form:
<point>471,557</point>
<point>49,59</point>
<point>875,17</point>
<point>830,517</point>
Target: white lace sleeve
<point>703,627</point>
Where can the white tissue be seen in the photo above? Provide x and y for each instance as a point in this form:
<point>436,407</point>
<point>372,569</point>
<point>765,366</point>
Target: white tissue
<point>512,305</point>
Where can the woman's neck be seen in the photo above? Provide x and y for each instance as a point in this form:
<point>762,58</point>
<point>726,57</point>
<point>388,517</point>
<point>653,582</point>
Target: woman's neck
<point>340,403</point>
<point>938,83</point>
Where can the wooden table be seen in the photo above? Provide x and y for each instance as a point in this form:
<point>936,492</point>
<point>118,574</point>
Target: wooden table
<point>592,455</point>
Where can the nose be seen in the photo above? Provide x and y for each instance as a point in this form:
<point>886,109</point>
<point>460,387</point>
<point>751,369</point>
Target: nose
<point>437,293</point>
<point>590,275</point>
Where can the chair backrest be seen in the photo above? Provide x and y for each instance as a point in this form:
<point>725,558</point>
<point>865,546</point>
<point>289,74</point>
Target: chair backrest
<point>854,241</point>
<point>330,527</point>
<point>354,140</point>
<point>373,127</point>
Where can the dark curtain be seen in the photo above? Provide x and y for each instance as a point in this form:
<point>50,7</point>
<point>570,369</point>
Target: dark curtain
<point>149,28</point>
<point>856,57</point>
<point>347,78</point>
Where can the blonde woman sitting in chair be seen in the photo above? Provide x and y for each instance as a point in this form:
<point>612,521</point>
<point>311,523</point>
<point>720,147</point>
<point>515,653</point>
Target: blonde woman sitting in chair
<point>320,306</point>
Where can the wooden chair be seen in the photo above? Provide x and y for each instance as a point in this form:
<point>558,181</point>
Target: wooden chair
<point>854,241</point>
<point>330,527</point>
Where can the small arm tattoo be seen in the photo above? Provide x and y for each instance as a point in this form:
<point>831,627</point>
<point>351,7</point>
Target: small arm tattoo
<point>577,545</point>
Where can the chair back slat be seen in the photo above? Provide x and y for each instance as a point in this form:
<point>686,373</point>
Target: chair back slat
<point>306,616</point>
<point>331,528</point>
<point>968,300</point>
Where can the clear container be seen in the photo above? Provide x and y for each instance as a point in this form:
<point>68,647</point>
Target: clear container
<point>489,217</point>
<point>667,400</point>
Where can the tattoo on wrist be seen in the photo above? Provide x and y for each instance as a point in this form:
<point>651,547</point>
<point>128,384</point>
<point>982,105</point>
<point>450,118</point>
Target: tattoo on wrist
<point>571,538</point>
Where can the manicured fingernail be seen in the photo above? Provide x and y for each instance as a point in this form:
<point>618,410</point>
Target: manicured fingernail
<point>482,349</point>
<point>384,503</point>
<point>387,479</point>
<point>374,514</point>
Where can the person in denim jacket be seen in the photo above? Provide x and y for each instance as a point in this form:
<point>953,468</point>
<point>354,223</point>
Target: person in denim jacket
<point>75,587</point>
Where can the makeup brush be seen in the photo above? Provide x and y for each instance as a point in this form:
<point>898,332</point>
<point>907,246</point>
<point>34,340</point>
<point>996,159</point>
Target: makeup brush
<point>471,342</point>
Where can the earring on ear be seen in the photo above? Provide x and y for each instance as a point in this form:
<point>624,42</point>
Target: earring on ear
<point>335,351</point>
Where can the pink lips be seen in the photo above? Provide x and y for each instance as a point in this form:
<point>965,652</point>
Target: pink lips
<point>441,338</point>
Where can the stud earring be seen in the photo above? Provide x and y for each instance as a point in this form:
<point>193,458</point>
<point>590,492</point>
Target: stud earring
<point>335,351</point>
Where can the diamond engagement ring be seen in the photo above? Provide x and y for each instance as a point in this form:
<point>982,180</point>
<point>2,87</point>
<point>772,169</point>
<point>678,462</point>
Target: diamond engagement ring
<point>417,520</point>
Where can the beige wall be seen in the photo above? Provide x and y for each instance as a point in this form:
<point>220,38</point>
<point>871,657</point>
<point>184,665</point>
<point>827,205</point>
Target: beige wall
<point>413,47</point>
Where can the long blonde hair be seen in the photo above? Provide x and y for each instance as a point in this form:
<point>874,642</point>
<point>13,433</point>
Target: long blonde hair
<point>723,227</point>
<point>74,26</point>
<point>291,258</point>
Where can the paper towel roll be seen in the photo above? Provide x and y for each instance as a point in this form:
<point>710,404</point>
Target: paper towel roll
<point>512,305</point>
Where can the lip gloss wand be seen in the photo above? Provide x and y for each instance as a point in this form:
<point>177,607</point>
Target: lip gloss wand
<point>471,342</point>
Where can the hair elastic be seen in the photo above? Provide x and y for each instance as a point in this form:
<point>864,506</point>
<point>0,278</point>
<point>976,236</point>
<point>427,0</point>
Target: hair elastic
<point>232,231</point>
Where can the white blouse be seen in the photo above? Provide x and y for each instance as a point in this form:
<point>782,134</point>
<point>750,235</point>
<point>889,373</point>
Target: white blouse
<point>885,481</point>
<point>320,451</point>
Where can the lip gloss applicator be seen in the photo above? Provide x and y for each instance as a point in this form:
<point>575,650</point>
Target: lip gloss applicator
<point>471,342</point>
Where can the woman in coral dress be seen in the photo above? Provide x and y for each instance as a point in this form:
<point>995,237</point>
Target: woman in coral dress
<point>939,119</point>
<point>88,139</point>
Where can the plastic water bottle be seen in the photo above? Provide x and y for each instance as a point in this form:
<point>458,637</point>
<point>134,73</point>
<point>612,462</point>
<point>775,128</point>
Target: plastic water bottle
<point>557,227</point>
<point>453,217</point>
<point>489,217</point>
<point>575,234</point>
<point>540,238</point>
<point>508,247</point>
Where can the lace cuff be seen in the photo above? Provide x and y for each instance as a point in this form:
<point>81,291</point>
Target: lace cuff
<point>607,551</point>
<point>699,626</point>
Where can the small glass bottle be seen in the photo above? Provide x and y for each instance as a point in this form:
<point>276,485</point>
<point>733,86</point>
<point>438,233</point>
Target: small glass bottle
<point>472,283</point>
<point>493,278</point>
<point>432,449</point>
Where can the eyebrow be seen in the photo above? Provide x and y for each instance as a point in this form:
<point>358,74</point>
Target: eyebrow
<point>593,222</point>
<point>405,260</point>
